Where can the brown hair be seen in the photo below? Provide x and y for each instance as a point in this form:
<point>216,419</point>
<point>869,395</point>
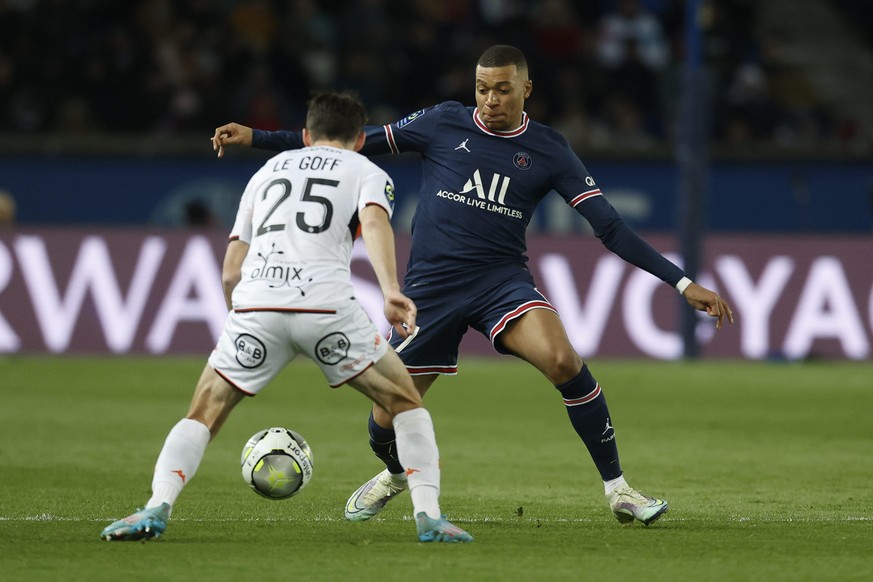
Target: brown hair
<point>334,115</point>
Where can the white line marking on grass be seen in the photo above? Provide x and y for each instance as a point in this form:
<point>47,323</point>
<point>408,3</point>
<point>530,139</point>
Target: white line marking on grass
<point>48,517</point>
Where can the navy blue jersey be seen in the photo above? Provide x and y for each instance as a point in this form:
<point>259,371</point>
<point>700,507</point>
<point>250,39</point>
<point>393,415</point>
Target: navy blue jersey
<point>480,187</point>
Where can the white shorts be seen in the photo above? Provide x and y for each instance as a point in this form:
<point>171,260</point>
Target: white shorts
<point>256,345</point>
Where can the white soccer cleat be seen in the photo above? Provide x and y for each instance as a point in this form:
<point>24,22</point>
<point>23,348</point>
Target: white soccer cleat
<point>372,496</point>
<point>628,504</point>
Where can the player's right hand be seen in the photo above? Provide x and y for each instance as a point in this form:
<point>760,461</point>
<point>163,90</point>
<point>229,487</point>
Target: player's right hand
<point>400,312</point>
<point>231,134</point>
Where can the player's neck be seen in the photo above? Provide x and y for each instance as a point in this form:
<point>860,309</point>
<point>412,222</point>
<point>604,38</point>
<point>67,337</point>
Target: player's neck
<point>510,127</point>
<point>332,143</point>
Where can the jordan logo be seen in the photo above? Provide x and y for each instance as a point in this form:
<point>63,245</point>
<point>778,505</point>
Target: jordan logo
<point>463,146</point>
<point>608,427</point>
<point>180,474</point>
<point>410,471</point>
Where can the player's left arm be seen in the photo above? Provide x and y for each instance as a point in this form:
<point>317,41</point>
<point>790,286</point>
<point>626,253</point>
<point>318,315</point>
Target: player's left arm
<point>378,237</point>
<point>581,192</point>
<point>619,238</point>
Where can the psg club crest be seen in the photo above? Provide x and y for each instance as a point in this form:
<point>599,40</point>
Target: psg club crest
<point>522,161</point>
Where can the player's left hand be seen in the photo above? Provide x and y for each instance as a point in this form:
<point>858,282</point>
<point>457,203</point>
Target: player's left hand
<point>400,312</point>
<point>702,299</point>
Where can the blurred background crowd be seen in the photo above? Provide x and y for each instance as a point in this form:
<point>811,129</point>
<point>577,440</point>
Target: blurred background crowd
<point>606,72</point>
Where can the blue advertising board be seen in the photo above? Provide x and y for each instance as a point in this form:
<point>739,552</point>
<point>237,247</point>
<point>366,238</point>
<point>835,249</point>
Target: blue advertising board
<point>782,197</point>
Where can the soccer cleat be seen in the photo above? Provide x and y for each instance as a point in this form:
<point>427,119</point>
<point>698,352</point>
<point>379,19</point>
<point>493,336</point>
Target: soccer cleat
<point>439,530</point>
<point>372,496</point>
<point>627,504</point>
<point>145,524</point>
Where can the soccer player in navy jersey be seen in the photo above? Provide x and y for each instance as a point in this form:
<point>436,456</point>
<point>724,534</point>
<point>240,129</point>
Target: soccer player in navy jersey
<point>485,169</point>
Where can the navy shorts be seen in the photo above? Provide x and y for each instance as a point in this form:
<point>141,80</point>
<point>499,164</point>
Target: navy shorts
<point>485,300</point>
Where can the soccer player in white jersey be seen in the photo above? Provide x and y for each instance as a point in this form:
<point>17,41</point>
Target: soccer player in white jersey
<point>287,283</point>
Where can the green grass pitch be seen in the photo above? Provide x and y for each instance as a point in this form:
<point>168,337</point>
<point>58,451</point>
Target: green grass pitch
<point>767,468</point>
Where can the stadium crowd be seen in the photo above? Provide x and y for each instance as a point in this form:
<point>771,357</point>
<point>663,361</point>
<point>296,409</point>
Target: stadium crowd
<point>606,72</point>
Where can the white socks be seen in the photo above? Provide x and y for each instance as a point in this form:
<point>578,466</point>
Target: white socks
<point>417,450</point>
<point>416,446</point>
<point>178,461</point>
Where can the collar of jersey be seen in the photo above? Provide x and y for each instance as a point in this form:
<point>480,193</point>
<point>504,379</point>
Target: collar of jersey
<point>511,133</point>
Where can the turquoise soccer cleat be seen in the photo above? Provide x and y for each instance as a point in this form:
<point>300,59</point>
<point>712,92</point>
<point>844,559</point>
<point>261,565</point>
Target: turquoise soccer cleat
<point>145,524</point>
<point>439,530</point>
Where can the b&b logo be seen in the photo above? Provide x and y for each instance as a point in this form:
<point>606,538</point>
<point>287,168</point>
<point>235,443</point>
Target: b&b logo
<point>250,351</point>
<point>332,348</point>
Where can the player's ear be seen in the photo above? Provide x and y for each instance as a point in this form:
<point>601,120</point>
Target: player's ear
<point>359,143</point>
<point>307,137</point>
<point>528,88</point>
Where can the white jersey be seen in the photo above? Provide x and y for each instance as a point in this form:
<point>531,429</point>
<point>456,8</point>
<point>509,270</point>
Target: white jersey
<point>299,213</point>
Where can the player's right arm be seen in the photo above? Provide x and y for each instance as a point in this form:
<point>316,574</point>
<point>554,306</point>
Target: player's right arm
<point>230,134</point>
<point>231,270</point>
<point>392,138</point>
<point>279,141</point>
<point>378,237</point>
<point>238,243</point>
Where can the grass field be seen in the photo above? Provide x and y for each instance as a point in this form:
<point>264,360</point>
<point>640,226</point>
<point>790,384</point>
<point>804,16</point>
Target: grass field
<point>767,468</point>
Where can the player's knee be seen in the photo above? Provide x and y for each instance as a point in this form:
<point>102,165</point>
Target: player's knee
<point>563,365</point>
<point>402,400</point>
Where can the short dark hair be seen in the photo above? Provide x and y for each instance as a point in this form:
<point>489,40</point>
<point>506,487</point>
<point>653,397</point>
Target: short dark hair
<point>502,55</point>
<point>335,115</point>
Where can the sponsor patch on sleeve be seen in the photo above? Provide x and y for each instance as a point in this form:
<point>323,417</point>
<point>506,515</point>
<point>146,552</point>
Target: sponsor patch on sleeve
<point>409,118</point>
<point>389,193</point>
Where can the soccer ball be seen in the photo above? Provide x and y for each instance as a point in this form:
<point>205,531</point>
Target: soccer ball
<point>276,463</point>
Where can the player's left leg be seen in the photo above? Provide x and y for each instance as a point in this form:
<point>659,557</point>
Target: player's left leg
<point>539,338</point>
<point>179,458</point>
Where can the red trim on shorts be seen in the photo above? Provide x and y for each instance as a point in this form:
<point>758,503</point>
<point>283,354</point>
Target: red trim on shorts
<point>283,310</point>
<point>353,377</point>
<point>422,370</point>
<point>228,380</point>
<point>518,312</point>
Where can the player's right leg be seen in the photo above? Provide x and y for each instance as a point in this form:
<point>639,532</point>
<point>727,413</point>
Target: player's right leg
<point>369,499</point>
<point>389,385</point>
<point>432,351</point>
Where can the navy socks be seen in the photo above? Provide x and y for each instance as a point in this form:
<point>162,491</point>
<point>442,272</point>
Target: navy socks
<point>586,407</point>
<point>383,443</point>
<point>589,415</point>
